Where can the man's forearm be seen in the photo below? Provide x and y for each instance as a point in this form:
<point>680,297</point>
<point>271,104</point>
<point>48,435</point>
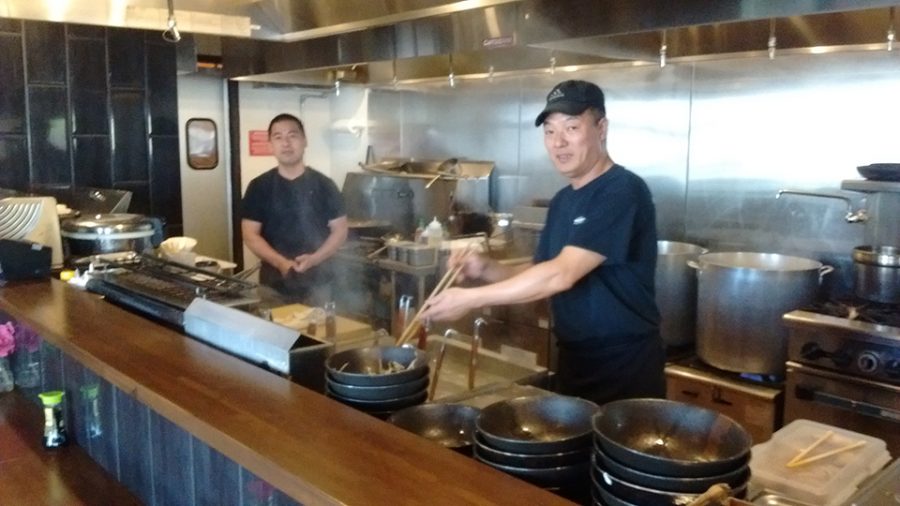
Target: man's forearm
<point>496,271</point>
<point>265,252</point>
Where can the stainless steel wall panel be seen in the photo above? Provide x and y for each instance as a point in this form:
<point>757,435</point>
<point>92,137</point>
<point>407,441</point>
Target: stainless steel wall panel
<point>715,140</point>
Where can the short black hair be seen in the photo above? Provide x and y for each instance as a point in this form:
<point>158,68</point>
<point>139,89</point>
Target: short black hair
<point>286,117</point>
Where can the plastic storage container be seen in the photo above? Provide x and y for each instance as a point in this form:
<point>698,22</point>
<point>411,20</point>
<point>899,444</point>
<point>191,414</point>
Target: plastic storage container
<point>826,481</point>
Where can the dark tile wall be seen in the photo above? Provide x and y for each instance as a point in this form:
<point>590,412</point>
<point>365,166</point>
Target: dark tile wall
<point>90,106</point>
<point>159,462</point>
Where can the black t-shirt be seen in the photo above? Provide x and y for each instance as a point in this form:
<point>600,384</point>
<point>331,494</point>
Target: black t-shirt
<point>614,216</point>
<point>294,215</point>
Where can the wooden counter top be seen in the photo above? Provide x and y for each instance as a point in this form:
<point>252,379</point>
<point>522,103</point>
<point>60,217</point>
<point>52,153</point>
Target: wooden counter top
<point>312,448</point>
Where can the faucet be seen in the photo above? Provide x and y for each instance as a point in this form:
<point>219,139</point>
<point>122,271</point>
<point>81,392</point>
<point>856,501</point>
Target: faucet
<point>858,216</point>
<point>473,357</point>
<point>438,360</point>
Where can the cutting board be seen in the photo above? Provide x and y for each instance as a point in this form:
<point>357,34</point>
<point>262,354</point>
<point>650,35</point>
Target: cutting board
<point>295,317</point>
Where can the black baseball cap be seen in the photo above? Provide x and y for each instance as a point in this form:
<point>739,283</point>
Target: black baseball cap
<point>573,98</point>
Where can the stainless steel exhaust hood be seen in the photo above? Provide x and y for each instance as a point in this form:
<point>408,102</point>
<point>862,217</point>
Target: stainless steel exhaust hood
<point>536,34</point>
<point>317,42</point>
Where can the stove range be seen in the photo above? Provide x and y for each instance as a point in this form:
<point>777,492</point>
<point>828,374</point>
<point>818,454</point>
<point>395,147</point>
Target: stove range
<point>851,337</point>
<point>843,367</point>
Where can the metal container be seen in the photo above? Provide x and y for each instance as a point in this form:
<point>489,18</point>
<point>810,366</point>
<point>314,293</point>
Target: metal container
<point>741,299</point>
<point>877,273</point>
<point>419,255</point>
<point>396,251</point>
<point>676,291</point>
<point>108,233</point>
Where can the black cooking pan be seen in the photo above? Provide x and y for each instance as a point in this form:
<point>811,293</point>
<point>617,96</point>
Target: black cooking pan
<point>449,425</point>
<point>880,171</point>
<point>377,366</point>
<point>376,393</point>
<point>734,479</point>
<point>486,453</point>
<point>538,424</point>
<point>670,438</point>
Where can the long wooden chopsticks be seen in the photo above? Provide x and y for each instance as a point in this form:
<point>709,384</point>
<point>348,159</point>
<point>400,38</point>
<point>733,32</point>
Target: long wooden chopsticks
<point>449,278</point>
<point>801,458</point>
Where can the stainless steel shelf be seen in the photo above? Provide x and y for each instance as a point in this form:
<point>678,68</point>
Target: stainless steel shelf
<point>865,185</point>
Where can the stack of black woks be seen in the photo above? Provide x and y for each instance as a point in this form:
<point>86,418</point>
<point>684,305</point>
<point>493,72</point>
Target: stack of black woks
<point>378,380</point>
<point>545,440</point>
<point>654,452</point>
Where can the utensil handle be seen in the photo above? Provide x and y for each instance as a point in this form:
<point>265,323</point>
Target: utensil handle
<point>445,281</point>
<point>714,495</point>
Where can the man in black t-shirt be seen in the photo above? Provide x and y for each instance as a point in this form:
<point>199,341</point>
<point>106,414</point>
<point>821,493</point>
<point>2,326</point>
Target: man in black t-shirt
<point>596,260</point>
<point>293,219</point>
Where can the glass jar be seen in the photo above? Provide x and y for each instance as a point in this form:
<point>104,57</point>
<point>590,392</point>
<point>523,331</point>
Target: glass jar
<point>330,321</point>
<point>27,367</point>
<point>6,375</point>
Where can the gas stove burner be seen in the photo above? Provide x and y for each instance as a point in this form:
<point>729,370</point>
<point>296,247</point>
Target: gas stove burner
<point>859,310</point>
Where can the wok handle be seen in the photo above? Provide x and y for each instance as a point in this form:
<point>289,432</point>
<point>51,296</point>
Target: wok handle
<point>825,269</point>
<point>437,371</point>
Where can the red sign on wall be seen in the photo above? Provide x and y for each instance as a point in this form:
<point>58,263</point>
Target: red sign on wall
<point>259,143</point>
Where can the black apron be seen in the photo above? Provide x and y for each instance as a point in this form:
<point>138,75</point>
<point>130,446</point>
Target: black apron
<point>294,228</point>
<point>623,371</point>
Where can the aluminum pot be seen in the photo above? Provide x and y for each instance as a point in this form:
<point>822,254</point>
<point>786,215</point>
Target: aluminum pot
<point>741,299</point>
<point>877,271</point>
<point>109,233</point>
<point>676,291</point>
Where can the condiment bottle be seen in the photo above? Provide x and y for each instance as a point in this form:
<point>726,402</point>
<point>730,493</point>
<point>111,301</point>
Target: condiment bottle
<point>54,419</point>
<point>435,233</point>
<point>330,321</point>
<point>313,325</point>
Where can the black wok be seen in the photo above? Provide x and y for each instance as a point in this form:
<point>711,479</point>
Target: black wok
<point>373,366</point>
<point>495,456</point>
<point>537,424</point>
<point>376,393</point>
<point>671,438</point>
<point>734,479</point>
<point>449,425</point>
<point>383,406</point>
<point>646,496</point>
<point>880,171</point>
<point>546,477</point>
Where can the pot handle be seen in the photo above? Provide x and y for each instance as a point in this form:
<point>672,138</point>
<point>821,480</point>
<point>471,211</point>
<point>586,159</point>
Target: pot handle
<point>693,264</point>
<point>825,269</point>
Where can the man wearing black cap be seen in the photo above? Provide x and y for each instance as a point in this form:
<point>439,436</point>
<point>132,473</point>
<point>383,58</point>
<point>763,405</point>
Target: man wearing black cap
<point>596,260</point>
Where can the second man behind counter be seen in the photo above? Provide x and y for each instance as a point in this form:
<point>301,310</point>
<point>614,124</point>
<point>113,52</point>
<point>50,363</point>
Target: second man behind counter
<point>293,219</point>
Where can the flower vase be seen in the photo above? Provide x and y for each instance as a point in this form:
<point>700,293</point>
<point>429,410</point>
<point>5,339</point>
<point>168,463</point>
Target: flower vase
<point>28,368</point>
<point>6,376</point>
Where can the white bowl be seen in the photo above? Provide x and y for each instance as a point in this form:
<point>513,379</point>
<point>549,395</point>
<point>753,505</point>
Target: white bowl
<point>174,245</point>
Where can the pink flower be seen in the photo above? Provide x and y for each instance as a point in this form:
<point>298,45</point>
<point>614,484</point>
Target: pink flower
<point>7,339</point>
<point>27,338</point>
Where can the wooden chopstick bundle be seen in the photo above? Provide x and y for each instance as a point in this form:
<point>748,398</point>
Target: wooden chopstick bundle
<point>804,452</point>
<point>829,453</point>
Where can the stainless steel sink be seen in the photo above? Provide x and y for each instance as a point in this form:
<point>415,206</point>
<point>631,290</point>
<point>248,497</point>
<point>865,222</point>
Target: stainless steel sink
<point>492,370</point>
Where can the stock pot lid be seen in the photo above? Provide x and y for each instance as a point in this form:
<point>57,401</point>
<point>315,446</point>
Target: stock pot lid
<point>108,225</point>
